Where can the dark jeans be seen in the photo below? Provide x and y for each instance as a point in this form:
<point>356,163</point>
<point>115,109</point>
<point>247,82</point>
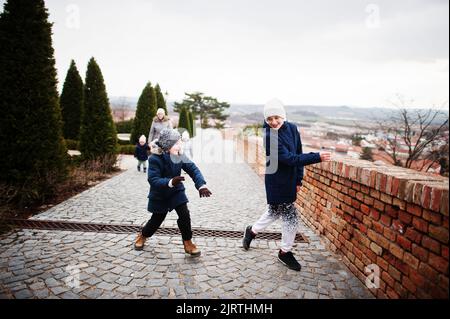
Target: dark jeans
<point>184,223</point>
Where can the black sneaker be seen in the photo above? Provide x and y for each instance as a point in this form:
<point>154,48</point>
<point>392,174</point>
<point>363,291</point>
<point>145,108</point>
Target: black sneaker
<point>289,260</point>
<point>139,168</point>
<point>145,169</point>
<point>248,237</point>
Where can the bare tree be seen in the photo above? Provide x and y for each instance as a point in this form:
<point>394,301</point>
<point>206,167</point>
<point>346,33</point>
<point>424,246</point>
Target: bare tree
<point>121,109</point>
<point>416,131</point>
<point>438,154</point>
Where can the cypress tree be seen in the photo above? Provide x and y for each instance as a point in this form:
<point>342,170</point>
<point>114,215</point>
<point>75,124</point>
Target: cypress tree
<point>98,136</point>
<point>192,123</point>
<point>160,101</point>
<point>183,121</point>
<point>145,112</point>
<point>72,103</point>
<point>33,153</point>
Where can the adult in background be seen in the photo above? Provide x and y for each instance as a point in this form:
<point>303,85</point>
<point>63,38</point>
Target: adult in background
<point>160,122</point>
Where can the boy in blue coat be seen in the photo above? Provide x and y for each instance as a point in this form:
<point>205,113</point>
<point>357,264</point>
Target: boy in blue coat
<point>167,191</point>
<point>284,173</point>
<point>141,153</point>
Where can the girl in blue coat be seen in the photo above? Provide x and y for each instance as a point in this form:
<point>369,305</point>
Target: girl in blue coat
<point>284,173</point>
<point>167,191</point>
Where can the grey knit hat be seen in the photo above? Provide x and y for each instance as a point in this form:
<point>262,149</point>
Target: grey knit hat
<point>168,138</point>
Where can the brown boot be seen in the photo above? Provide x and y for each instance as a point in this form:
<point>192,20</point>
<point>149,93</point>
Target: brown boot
<point>191,249</point>
<point>140,241</point>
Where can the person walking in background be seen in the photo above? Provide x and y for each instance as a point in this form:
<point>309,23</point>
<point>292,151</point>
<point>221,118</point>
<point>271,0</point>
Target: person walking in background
<point>141,153</point>
<point>284,147</point>
<point>160,122</point>
<point>187,144</point>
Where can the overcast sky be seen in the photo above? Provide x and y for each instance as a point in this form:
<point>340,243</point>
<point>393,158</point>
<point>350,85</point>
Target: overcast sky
<point>326,52</point>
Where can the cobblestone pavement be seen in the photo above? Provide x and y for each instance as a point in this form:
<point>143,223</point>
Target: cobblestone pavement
<point>62,264</point>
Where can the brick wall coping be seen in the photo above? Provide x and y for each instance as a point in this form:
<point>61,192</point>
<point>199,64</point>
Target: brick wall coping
<point>426,190</point>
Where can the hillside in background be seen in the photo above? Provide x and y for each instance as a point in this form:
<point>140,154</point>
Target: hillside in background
<point>251,113</point>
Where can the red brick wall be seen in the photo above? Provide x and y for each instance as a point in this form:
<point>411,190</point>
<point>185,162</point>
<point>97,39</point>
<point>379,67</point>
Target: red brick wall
<point>394,218</point>
<point>252,151</point>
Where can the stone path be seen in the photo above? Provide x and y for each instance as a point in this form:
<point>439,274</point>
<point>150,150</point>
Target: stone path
<point>62,264</point>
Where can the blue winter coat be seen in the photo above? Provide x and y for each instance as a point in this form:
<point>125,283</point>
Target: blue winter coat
<point>161,169</point>
<point>281,186</point>
<point>141,151</point>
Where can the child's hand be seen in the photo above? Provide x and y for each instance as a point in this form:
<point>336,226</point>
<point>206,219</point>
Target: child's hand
<point>325,156</point>
<point>177,180</point>
<point>298,188</point>
<point>204,192</point>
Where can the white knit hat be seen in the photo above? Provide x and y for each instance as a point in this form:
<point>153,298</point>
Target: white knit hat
<point>142,139</point>
<point>274,108</point>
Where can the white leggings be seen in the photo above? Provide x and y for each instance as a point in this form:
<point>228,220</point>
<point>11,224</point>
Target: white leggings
<point>288,214</point>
